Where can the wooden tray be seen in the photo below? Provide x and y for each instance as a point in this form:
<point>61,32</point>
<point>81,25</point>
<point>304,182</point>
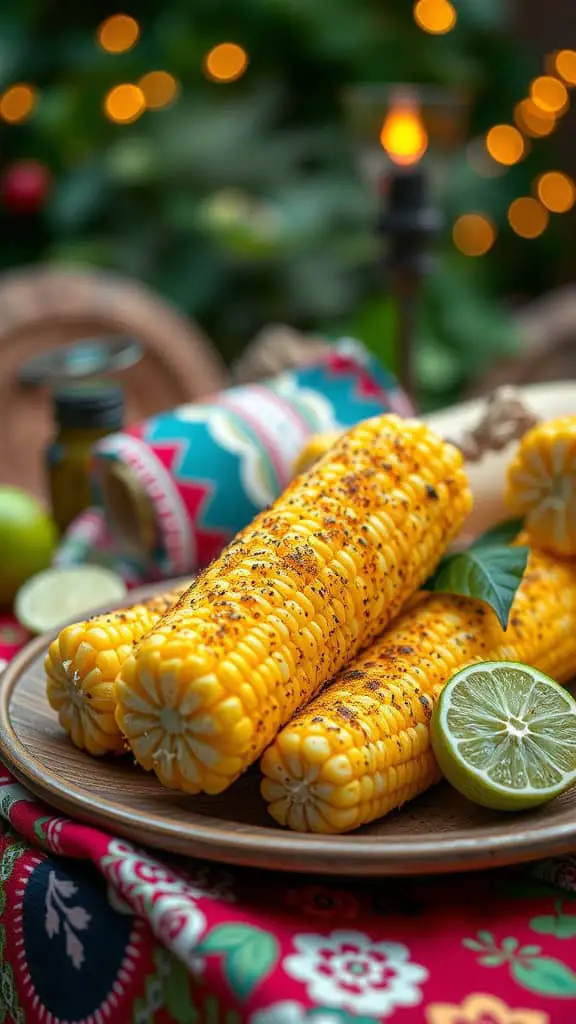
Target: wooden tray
<point>439,832</point>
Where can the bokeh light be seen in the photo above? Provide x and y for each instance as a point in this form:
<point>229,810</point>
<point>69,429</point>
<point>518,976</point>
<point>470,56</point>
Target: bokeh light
<point>226,62</point>
<point>565,65</point>
<point>118,33</point>
<point>435,16</point>
<point>124,103</point>
<point>159,87</point>
<point>17,103</point>
<point>403,134</point>
<point>550,94</point>
<point>505,144</point>
<point>556,191</point>
<point>527,217</point>
<point>532,120</point>
<point>473,234</point>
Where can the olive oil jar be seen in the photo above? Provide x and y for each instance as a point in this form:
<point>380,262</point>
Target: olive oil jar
<point>84,412</point>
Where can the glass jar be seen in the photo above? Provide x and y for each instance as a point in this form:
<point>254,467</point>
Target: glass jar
<point>84,412</point>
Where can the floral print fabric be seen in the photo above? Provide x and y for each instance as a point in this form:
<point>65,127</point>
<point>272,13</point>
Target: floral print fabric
<point>93,930</point>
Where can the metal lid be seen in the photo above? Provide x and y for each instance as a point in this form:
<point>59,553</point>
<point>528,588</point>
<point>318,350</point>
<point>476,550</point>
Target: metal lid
<point>88,357</point>
<point>89,405</point>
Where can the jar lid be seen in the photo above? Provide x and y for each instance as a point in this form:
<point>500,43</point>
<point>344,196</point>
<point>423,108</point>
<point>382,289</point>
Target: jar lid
<point>89,405</point>
<point>86,358</point>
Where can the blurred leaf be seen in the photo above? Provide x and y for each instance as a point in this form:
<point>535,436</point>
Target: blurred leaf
<point>78,197</point>
<point>484,14</point>
<point>132,160</point>
<point>438,368</point>
<point>376,326</point>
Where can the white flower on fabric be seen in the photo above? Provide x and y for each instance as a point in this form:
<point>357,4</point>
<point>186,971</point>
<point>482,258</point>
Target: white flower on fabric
<point>290,1012</point>
<point>157,893</point>
<point>346,969</point>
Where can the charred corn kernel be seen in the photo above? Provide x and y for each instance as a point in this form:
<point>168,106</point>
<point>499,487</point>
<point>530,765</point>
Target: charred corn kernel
<point>81,668</point>
<point>297,594</point>
<point>541,485</point>
<point>315,447</point>
<point>362,748</point>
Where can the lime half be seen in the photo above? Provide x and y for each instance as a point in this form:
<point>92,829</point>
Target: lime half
<point>56,596</point>
<point>504,735</point>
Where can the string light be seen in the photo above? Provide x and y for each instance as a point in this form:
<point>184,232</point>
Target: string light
<point>435,16</point>
<point>159,87</point>
<point>550,94</point>
<point>403,134</point>
<point>527,217</point>
<point>556,191</point>
<point>473,234</point>
<point>124,103</point>
<point>17,103</point>
<point>533,120</point>
<point>226,62</point>
<point>565,65</point>
<point>118,33</point>
<point>505,144</point>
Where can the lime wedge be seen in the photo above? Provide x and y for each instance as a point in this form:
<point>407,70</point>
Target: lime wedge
<point>504,735</point>
<point>56,596</point>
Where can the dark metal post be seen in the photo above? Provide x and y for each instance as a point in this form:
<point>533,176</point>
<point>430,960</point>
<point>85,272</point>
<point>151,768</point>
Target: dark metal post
<point>408,222</point>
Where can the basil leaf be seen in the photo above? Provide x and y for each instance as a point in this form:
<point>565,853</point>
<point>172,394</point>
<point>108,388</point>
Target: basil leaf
<point>489,574</point>
<point>502,533</point>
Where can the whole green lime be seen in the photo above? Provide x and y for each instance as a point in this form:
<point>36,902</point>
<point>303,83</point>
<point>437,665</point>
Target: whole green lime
<point>27,540</point>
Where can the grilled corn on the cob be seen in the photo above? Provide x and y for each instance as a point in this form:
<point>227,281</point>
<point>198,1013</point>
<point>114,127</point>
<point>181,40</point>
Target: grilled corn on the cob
<point>541,485</point>
<point>81,667</point>
<point>362,748</point>
<point>298,593</point>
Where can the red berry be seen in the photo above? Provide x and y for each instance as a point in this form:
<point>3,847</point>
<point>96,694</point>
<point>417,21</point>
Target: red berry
<point>25,185</point>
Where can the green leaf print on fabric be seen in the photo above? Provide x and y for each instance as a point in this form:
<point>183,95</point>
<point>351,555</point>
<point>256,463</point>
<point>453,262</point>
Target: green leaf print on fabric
<point>546,976</point>
<point>177,996</point>
<point>9,1006</point>
<point>168,988</point>
<point>171,990</point>
<point>249,954</point>
<point>542,974</point>
<point>562,925</point>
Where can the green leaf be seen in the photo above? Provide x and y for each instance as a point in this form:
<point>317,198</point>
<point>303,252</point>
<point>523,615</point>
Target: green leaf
<point>225,937</point>
<point>529,950</point>
<point>544,925</point>
<point>472,944</point>
<point>563,926</point>
<point>341,1015</point>
<point>248,963</point>
<point>509,945</point>
<point>177,993</point>
<point>492,960</point>
<point>489,574</point>
<point>546,976</point>
<point>486,937</point>
<point>502,533</point>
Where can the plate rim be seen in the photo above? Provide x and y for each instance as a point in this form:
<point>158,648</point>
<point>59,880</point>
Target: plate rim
<point>259,846</point>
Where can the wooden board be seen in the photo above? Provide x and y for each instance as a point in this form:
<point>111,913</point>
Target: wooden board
<point>439,832</point>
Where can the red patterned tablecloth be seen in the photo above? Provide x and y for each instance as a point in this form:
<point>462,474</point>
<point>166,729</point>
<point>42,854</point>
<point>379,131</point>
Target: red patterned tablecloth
<point>93,930</point>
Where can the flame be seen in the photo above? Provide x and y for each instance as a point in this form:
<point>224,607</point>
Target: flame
<point>403,134</point>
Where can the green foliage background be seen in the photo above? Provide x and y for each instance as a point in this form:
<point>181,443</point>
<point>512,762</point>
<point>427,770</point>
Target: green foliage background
<point>243,203</point>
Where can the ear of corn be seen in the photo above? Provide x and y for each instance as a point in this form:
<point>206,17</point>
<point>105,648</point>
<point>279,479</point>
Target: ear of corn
<point>315,447</point>
<point>81,668</point>
<point>298,593</point>
<point>541,485</point>
<point>363,747</point>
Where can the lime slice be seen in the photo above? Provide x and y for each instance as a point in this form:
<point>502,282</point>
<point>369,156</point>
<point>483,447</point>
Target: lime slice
<point>504,735</point>
<point>56,596</point>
